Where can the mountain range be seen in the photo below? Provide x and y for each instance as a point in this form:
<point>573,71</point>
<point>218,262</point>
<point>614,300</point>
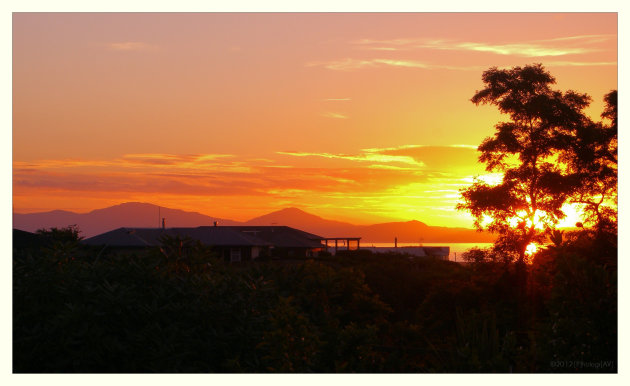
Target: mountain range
<point>143,215</point>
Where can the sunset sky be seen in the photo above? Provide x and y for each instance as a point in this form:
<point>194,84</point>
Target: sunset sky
<point>356,117</point>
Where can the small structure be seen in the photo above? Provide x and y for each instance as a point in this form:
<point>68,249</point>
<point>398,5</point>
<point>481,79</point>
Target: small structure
<point>440,253</point>
<point>351,243</point>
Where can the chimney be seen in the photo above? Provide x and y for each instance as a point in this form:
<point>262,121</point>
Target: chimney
<point>216,223</point>
<point>163,222</point>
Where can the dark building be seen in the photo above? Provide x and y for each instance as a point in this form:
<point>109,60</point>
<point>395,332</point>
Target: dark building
<point>234,243</point>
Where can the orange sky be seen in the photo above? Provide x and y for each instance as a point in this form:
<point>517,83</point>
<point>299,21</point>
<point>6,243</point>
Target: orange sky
<point>358,117</point>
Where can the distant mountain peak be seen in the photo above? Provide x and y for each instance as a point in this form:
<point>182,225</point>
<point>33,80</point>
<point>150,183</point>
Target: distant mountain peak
<point>129,203</point>
<point>291,209</point>
<point>294,217</point>
<point>126,205</point>
<point>294,211</point>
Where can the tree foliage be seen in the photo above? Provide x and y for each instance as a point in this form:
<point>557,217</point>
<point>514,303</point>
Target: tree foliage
<point>591,156</point>
<point>549,153</point>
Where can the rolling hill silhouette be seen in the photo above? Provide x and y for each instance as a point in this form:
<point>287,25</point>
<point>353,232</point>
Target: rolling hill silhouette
<point>130,214</point>
<point>135,214</point>
<point>300,219</point>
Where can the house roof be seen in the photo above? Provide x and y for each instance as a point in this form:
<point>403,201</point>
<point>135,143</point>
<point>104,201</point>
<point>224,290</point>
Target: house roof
<point>278,236</point>
<point>143,237</point>
<point>281,236</point>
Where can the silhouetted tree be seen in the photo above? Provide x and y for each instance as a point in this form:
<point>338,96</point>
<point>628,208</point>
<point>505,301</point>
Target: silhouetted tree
<point>591,154</point>
<point>526,151</point>
<point>61,241</point>
<point>67,234</point>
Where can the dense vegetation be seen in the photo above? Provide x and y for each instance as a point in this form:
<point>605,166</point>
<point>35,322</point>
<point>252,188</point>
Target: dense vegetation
<point>78,309</point>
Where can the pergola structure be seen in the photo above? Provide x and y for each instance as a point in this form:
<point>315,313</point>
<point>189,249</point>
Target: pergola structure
<point>347,241</point>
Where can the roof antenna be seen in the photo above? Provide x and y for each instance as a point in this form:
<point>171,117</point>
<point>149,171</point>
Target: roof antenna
<point>163,222</point>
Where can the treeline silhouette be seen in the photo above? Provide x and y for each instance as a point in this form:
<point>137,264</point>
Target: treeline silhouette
<point>182,309</point>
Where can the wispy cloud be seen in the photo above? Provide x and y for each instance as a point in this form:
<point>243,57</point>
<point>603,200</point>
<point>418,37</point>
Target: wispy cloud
<point>456,158</point>
<point>580,64</point>
<point>381,48</point>
<point>390,167</point>
<point>387,42</point>
<point>173,159</point>
<point>542,48</point>
<point>62,164</point>
<point>374,157</point>
<point>403,147</point>
<point>382,149</point>
<point>587,39</point>
<point>349,64</point>
<point>334,115</point>
<point>566,45</point>
<point>526,49</point>
<point>137,161</point>
<point>131,46</point>
<point>402,63</point>
<point>343,64</point>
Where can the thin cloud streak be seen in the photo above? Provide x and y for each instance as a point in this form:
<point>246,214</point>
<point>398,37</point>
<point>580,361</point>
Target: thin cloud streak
<point>334,115</point>
<point>61,164</point>
<point>174,159</point>
<point>366,157</point>
<point>130,160</point>
<point>457,157</point>
<point>131,46</point>
<point>402,63</point>
<point>526,50</point>
<point>402,147</point>
<point>343,64</point>
<point>590,39</point>
<point>349,64</point>
<point>580,64</point>
<point>536,48</point>
<point>381,149</point>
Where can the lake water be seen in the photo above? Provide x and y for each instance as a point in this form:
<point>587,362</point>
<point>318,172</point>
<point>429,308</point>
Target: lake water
<point>456,249</point>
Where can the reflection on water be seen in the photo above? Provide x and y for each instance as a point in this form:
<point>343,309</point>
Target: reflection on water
<point>456,249</point>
